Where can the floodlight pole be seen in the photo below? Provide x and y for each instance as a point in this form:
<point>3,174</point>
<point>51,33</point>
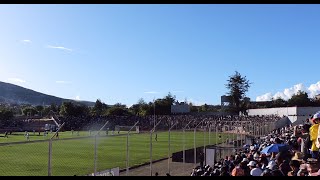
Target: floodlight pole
<point>127,162</point>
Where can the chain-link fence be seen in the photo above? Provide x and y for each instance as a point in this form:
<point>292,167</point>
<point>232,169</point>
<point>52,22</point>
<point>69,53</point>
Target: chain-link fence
<point>165,150</point>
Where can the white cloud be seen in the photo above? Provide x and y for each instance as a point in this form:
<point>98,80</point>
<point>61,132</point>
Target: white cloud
<point>63,82</point>
<point>77,98</point>
<point>16,80</point>
<point>314,89</point>
<point>265,97</point>
<point>26,41</point>
<point>195,102</point>
<point>287,93</point>
<point>151,92</point>
<point>59,47</point>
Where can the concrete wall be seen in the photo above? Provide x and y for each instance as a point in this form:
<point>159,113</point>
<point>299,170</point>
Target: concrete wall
<point>282,111</point>
<point>305,112</point>
<point>295,114</point>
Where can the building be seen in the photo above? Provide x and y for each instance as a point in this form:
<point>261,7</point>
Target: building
<point>180,108</point>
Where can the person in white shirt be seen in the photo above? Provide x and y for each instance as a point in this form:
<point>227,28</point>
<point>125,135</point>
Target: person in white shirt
<point>27,136</point>
<point>254,170</point>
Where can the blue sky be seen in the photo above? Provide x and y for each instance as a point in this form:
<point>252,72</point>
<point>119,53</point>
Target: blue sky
<point>120,53</point>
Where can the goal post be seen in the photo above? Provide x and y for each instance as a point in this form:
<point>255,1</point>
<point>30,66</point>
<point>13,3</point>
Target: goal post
<point>126,128</point>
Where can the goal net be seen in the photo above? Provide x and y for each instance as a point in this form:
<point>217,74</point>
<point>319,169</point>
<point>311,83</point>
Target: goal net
<point>126,128</point>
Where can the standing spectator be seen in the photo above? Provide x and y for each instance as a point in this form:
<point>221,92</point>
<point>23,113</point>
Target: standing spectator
<point>314,135</point>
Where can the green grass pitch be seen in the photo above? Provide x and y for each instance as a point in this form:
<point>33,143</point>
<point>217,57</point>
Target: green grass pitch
<point>72,155</point>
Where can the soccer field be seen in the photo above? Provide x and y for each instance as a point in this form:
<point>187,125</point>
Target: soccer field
<point>72,156</point>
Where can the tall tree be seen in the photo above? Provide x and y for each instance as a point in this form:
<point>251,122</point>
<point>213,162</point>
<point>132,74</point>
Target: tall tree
<point>98,108</point>
<point>299,99</point>
<point>238,86</point>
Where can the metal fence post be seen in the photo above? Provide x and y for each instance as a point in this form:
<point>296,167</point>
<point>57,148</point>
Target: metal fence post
<point>95,149</point>
<point>50,151</point>
<point>151,146</point>
<point>194,143</point>
<point>169,151</point>
<point>127,161</point>
<point>95,155</point>
<point>184,144</point>
<point>50,157</point>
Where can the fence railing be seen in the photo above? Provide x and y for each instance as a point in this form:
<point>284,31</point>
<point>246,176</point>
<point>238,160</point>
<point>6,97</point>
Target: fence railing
<point>95,153</point>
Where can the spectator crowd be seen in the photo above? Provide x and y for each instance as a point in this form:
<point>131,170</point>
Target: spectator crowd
<point>287,151</point>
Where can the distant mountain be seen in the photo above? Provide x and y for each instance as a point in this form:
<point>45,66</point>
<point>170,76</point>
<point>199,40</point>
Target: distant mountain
<point>13,94</point>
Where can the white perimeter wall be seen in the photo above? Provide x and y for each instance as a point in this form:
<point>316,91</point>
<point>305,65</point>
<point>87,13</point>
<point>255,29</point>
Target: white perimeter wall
<point>295,114</point>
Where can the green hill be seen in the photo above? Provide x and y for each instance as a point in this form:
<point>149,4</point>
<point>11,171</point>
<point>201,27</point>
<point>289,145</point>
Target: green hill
<point>13,94</point>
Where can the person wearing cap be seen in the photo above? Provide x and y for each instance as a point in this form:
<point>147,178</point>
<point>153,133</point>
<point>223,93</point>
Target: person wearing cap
<point>314,135</point>
<point>254,170</point>
<point>245,160</point>
<point>272,165</point>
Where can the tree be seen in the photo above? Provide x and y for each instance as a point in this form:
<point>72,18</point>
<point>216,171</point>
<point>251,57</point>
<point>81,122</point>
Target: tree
<point>6,116</point>
<point>70,109</point>
<point>118,110</point>
<point>139,109</point>
<point>29,111</point>
<point>238,86</point>
<point>299,99</point>
<point>39,109</point>
<point>163,106</point>
<point>279,102</point>
<point>204,108</point>
<point>98,108</point>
